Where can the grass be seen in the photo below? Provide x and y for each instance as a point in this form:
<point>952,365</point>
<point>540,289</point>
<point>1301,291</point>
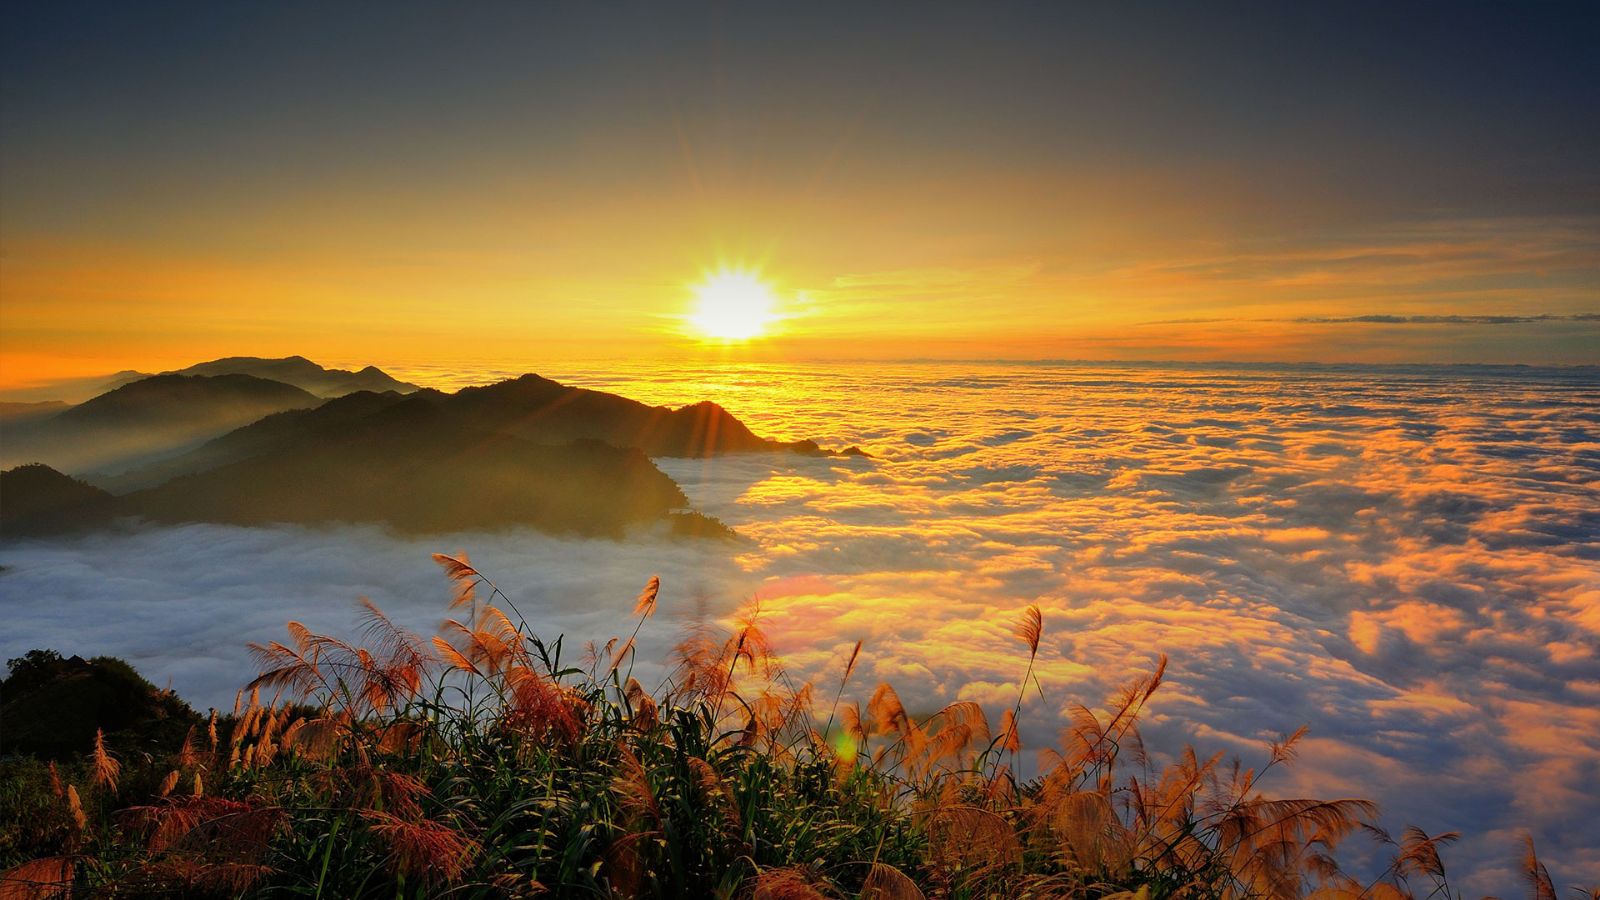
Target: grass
<point>489,763</point>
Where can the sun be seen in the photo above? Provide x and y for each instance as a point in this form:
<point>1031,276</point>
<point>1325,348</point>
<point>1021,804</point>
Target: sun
<point>733,305</point>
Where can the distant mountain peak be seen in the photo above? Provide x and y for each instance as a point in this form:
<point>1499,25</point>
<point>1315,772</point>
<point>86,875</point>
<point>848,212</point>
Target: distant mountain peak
<point>303,374</point>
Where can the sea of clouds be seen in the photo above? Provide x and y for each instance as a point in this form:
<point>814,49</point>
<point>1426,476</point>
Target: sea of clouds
<point>1406,559</point>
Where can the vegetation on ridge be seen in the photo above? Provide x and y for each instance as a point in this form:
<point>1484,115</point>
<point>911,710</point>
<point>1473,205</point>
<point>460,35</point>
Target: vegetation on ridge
<point>489,763</point>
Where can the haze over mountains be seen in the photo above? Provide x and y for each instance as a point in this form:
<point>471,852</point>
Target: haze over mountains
<point>218,442</point>
<point>144,419</point>
<point>303,374</point>
<point>295,370</point>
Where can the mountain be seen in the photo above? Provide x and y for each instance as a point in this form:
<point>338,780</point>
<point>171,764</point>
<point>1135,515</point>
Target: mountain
<point>547,411</point>
<point>528,451</point>
<point>303,374</point>
<point>531,408</point>
<point>186,400</point>
<point>36,499</point>
<point>147,418</point>
<point>270,433</point>
<point>295,370</point>
<point>411,466</point>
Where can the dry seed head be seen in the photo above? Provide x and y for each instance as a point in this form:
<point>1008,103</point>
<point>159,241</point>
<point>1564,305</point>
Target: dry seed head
<point>622,654</point>
<point>459,570</point>
<point>423,849</point>
<point>75,806</point>
<point>106,768</point>
<point>1009,742</point>
<point>885,882</point>
<point>887,712</point>
<point>1030,627</point>
<point>186,754</point>
<point>791,883</point>
<point>646,604</point>
<point>850,721</point>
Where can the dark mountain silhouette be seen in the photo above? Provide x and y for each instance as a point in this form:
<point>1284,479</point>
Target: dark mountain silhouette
<point>532,408</point>
<point>53,707</point>
<point>528,451</point>
<point>303,374</point>
<point>273,432</point>
<point>543,410</point>
<point>295,370</point>
<point>36,499</point>
<point>185,399</point>
<point>146,418</point>
<point>412,467</point>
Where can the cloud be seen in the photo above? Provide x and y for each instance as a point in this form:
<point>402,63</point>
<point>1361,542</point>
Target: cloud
<point>1404,559</point>
<point>1388,319</point>
<point>1446,320</point>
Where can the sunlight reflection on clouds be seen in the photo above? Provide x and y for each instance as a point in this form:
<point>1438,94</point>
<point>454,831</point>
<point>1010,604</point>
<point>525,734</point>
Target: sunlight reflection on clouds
<point>1405,559</point>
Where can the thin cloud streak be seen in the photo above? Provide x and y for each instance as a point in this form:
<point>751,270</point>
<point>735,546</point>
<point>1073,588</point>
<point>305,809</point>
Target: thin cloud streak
<point>1384,319</point>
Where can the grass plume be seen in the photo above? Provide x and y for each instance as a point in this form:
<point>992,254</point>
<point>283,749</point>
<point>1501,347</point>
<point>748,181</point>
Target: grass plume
<point>484,763</point>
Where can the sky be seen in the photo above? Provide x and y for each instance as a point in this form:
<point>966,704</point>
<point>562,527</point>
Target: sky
<point>418,182</point>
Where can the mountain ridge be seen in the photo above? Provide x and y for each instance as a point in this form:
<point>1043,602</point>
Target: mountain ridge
<point>531,407</point>
<point>523,451</point>
<point>302,373</point>
<point>145,419</point>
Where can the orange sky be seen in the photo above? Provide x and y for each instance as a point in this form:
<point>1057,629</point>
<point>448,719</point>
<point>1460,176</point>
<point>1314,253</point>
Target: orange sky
<point>548,185</point>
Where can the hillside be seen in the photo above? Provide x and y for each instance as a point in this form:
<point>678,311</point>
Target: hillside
<point>52,706</point>
<point>36,499</point>
<point>182,400</point>
<point>15,412</point>
<point>413,468</point>
<point>146,418</point>
<point>530,407</point>
<point>264,435</point>
<point>544,410</point>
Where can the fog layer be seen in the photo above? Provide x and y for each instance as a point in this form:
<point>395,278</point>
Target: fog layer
<point>1406,560</point>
